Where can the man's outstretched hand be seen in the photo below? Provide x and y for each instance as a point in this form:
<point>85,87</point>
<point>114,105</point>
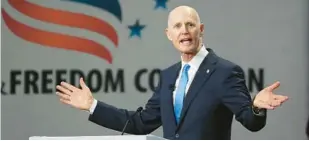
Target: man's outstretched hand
<point>266,99</point>
<point>75,97</point>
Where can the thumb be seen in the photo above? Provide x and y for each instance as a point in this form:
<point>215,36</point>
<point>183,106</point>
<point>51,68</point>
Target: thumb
<point>82,83</point>
<point>273,86</point>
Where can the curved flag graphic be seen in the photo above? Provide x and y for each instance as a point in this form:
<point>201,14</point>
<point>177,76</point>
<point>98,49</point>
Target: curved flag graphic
<point>65,18</point>
<point>111,6</point>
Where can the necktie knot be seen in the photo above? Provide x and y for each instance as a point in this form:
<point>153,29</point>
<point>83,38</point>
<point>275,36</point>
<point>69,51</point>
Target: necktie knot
<point>186,68</point>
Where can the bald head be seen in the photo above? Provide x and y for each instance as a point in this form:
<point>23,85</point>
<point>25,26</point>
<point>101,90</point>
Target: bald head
<point>183,11</point>
<point>185,29</point>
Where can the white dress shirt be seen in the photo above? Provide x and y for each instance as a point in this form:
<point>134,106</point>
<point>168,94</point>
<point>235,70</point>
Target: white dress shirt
<point>194,65</point>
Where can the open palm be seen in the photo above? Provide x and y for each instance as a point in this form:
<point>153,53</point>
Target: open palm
<point>267,99</point>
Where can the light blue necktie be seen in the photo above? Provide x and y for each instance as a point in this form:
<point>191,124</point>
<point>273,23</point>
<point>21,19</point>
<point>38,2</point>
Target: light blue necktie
<point>180,93</point>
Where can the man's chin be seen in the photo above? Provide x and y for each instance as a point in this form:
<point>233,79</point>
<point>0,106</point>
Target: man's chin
<point>188,49</point>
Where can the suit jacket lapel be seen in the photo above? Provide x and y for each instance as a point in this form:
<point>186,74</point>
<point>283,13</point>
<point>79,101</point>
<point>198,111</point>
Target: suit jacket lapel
<point>206,68</point>
<point>172,75</point>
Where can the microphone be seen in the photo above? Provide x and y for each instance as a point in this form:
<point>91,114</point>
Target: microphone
<point>139,109</point>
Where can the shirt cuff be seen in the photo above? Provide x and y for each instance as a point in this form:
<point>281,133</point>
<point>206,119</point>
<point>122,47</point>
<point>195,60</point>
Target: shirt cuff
<point>258,112</point>
<point>92,108</point>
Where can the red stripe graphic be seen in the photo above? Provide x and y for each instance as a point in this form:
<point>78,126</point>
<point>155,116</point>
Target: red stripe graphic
<point>55,40</point>
<point>66,18</point>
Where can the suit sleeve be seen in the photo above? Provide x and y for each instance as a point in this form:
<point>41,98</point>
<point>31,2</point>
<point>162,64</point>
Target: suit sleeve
<point>141,123</point>
<point>237,98</point>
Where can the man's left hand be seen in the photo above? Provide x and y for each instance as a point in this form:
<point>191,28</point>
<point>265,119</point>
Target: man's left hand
<point>266,99</point>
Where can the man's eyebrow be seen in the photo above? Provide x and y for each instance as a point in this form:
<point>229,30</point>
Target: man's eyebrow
<point>187,22</point>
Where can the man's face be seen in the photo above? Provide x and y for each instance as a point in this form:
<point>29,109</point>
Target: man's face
<point>184,30</point>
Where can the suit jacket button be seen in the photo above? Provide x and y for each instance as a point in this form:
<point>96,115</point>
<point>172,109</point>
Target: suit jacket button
<point>177,135</point>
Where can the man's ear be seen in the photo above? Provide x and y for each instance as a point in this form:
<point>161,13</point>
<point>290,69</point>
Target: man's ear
<point>202,29</point>
<point>168,34</point>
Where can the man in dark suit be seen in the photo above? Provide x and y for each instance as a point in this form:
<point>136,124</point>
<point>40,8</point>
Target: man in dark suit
<point>196,97</point>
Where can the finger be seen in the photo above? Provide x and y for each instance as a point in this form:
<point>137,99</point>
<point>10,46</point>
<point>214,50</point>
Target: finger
<point>65,101</point>
<point>273,86</point>
<point>280,97</point>
<point>63,96</point>
<point>266,106</point>
<point>68,86</point>
<point>82,83</point>
<point>63,89</point>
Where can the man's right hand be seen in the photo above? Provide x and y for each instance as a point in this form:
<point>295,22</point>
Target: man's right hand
<point>79,98</point>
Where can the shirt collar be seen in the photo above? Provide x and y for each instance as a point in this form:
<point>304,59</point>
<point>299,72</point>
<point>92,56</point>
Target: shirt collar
<point>196,61</point>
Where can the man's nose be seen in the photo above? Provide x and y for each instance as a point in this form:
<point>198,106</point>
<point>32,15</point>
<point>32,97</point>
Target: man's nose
<point>184,30</point>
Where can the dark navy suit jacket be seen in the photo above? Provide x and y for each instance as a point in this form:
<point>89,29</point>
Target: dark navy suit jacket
<point>218,92</point>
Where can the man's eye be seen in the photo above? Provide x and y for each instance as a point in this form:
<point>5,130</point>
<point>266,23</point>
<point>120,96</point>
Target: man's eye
<point>190,24</point>
<point>177,25</point>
